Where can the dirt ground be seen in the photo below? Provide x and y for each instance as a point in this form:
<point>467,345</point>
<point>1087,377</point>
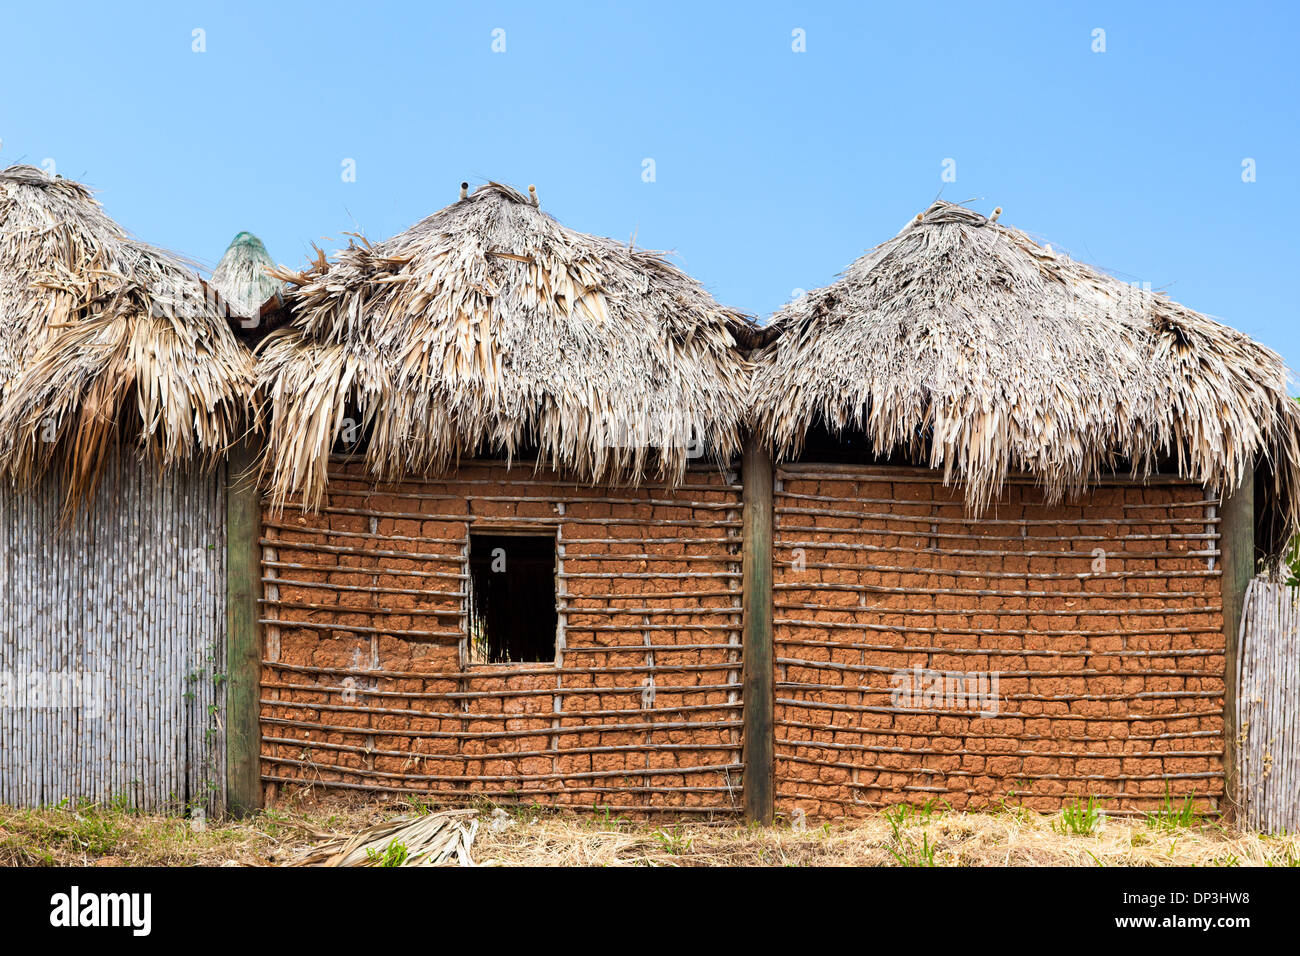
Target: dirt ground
<point>95,835</point>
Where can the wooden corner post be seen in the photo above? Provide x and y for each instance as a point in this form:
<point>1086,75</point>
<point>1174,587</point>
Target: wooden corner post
<point>243,631</point>
<point>1237,561</point>
<point>759,695</point>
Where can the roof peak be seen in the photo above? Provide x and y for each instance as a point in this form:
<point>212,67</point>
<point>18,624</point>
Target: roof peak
<point>492,188</point>
<point>24,174</point>
<point>942,212</point>
<point>248,239</point>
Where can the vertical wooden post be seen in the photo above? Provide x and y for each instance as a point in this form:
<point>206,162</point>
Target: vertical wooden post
<point>243,631</point>
<point>758,702</point>
<point>1237,561</point>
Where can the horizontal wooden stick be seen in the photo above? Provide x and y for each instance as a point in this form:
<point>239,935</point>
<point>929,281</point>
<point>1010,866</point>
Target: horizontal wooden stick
<point>1022,612</point>
<point>505,734</point>
<point>1003,674</point>
<point>632,520</point>
<point>349,609</point>
<point>1078,576</point>
<point>513,796</point>
<point>327,586</point>
<point>967,522</point>
<point>521,777</point>
<point>1000,715</point>
<point>783,541</point>
<point>506,672</point>
<point>1201,503</point>
<point>1019,775</point>
<point>973,709</point>
<point>969,752</point>
<point>387,571</point>
<point>788,576</point>
<point>1215,737</point>
<point>513,692</point>
<point>447,557</point>
<point>474,757</point>
<point>784,638</point>
<point>358,629</point>
<point>934,535</point>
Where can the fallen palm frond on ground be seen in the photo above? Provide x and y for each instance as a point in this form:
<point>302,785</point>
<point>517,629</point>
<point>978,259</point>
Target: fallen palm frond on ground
<point>430,840</point>
<point>412,835</point>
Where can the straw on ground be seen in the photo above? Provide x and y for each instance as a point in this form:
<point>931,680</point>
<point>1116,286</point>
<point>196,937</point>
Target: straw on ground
<point>90,835</point>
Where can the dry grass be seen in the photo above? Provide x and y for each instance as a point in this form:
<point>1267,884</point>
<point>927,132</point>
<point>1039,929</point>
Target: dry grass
<point>91,836</point>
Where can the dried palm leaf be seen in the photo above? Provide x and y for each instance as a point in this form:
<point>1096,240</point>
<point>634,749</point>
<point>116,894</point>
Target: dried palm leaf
<point>432,839</point>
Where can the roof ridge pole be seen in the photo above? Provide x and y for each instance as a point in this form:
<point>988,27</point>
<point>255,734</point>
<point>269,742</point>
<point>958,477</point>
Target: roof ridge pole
<point>759,696</point>
<point>243,630</point>
<point>1237,567</point>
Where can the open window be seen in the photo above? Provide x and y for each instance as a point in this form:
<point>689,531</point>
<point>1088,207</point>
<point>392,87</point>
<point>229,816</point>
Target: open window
<point>512,614</point>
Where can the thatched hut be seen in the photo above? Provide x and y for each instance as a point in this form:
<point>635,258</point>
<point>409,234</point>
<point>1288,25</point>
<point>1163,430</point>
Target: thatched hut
<point>1009,535</point>
<point>502,527</point>
<point>121,385</point>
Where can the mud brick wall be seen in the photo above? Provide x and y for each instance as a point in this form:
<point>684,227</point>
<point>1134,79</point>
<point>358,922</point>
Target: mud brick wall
<point>1110,675</point>
<point>365,680</point>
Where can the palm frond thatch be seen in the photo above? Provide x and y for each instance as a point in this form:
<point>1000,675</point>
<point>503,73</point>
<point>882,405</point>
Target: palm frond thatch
<point>488,325</point>
<point>969,348</point>
<point>437,838</point>
<point>243,275</point>
<point>105,342</point>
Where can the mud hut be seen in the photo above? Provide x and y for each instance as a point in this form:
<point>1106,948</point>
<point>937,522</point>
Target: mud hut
<point>1014,512</point>
<point>502,528</point>
<point>121,385</point>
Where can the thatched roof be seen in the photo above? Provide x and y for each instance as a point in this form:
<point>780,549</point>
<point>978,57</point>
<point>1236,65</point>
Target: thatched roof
<point>489,326</point>
<point>104,342</point>
<point>966,346</point>
<point>243,275</point>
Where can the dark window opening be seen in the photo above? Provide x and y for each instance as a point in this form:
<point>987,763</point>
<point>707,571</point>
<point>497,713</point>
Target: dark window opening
<point>825,445</point>
<point>512,616</point>
<point>848,446</point>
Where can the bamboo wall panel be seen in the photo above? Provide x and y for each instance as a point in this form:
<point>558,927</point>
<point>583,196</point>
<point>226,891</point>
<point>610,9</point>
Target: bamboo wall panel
<point>1268,709</point>
<point>129,600</point>
<point>1100,616</point>
<point>366,681</point>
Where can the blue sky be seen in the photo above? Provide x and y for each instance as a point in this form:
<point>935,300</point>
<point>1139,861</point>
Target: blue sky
<point>773,169</point>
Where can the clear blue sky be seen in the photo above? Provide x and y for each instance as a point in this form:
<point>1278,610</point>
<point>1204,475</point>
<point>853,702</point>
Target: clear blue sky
<point>773,169</point>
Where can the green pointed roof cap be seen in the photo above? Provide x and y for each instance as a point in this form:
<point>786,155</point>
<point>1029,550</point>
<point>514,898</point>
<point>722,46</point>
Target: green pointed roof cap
<point>241,275</point>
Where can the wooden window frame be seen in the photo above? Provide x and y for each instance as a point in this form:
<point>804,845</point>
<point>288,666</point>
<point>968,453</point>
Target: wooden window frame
<point>519,529</point>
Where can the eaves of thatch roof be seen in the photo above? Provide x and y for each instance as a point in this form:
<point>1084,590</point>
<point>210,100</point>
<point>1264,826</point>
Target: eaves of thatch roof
<point>964,345</point>
<point>488,325</point>
<point>105,342</point>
